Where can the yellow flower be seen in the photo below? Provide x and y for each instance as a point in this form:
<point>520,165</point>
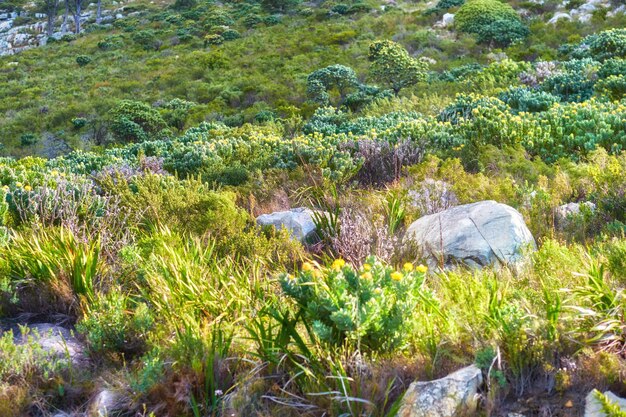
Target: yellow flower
<point>62,174</point>
<point>317,273</point>
<point>421,268</point>
<point>18,184</point>
<point>378,291</point>
<point>366,275</point>
<point>408,267</point>
<point>396,276</point>
<point>5,188</point>
<point>28,188</point>
<point>54,172</point>
<point>338,264</point>
<point>307,267</point>
<point>367,267</point>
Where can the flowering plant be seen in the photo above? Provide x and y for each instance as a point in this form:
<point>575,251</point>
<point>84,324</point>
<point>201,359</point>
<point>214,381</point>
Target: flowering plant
<point>365,306</point>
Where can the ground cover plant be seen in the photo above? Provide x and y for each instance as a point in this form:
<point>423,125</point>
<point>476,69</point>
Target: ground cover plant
<point>137,156</point>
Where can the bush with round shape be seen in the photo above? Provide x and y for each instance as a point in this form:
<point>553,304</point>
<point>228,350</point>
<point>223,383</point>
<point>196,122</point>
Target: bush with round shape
<point>608,44</point>
<point>569,87</point>
<point>392,65</point>
<point>230,34</point>
<point>213,39</point>
<point>489,19</point>
<point>83,60</point>
<point>503,32</point>
<point>134,121</point>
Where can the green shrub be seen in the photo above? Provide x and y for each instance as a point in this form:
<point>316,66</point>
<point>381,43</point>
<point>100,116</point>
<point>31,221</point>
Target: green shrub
<point>614,87</point>
<point>527,100</point>
<point>79,122</point>
<point>147,39</point>
<point>133,121</point>
<point>29,139</point>
<point>491,20</point>
<point>503,32</point>
<point>366,307</point>
<point>213,39</point>
<point>608,44</point>
<point>83,60</point>
<point>392,65</point>
<point>569,87</point>
<point>610,67</point>
<point>230,34</point>
<point>115,323</point>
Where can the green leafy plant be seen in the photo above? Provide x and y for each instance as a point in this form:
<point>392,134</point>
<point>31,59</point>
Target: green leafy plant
<point>364,307</point>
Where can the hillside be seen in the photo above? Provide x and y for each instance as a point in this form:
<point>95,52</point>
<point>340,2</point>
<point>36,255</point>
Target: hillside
<point>281,208</point>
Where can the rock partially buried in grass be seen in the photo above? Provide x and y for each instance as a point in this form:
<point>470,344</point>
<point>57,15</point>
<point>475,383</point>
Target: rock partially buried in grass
<point>594,406</point>
<point>56,341</point>
<point>476,235</point>
<point>299,222</point>
<point>454,395</point>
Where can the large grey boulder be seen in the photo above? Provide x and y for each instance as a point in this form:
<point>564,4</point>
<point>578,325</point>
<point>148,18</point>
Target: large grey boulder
<point>477,235</point>
<point>593,407</point>
<point>298,222</point>
<point>454,395</point>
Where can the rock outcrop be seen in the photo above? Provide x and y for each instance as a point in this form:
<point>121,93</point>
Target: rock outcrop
<point>476,235</point>
<point>454,395</point>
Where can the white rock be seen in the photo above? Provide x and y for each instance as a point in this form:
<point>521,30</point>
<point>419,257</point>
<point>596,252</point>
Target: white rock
<point>560,15</point>
<point>454,395</point>
<point>477,235</point>
<point>447,19</point>
<point>298,222</point>
<point>593,408</point>
<point>565,213</point>
<point>105,404</point>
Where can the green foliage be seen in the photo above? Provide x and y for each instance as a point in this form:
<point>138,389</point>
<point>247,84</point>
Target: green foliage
<point>493,21</point>
<point>56,259</point>
<point>569,87</point>
<point>613,87</point>
<point>391,64</point>
<point>133,121</point>
<point>503,32</point>
<point>609,408</point>
<point>147,39</point>
<point>365,307</point>
<point>335,80</point>
<point>28,139</point>
<point>115,323</point>
<point>527,100</point>
<point>83,60</point>
<point>607,44</point>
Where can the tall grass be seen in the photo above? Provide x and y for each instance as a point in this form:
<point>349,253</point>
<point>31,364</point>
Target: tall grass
<point>56,257</point>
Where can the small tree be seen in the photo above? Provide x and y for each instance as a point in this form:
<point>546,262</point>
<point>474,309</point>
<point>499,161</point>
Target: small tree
<point>134,121</point>
<point>50,9</point>
<point>76,7</point>
<point>336,80</point>
<point>392,65</point>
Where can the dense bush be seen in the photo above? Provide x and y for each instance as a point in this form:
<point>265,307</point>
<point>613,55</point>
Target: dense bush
<point>132,121</point>
<point>491,20</point>
<point>607,44</point>
<point>364,307</point>
<point>527,100</point>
